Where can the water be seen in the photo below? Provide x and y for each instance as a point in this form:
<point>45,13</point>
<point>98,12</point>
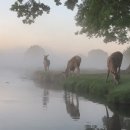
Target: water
<point>25,105</point>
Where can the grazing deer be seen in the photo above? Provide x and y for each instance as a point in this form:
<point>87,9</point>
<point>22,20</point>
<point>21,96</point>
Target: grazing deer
<point>114,63</point>
<point>46,63</point>
<point>73,64</point>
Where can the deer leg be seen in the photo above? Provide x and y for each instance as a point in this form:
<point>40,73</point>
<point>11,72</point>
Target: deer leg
<point>115,78</point>
<point>119,72</point>
<point>78,70</point>
<point>108,72</point>
<point>77,101</point>
<point>45,68</point>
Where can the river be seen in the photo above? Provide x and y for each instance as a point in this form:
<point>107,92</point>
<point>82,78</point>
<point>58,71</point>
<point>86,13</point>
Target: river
<point>25,105</point>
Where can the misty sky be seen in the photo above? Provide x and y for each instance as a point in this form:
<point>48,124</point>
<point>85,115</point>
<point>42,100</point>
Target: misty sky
<point>54,31</point>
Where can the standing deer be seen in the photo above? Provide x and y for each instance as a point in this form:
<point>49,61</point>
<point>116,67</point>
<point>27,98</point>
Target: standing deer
<point>73,64</point>
<point>46,63</point>
<point>114,63</point>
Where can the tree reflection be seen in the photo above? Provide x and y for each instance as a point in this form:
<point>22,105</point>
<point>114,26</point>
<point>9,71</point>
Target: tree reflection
<point>72,105</point>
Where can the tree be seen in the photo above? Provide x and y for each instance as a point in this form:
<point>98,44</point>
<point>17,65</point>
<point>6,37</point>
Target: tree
<point>126,54</point>
<point>31,9</point>
<point>109,19</point>
<point>97,55</point>
<point>35,50</point>
<point>127,58</point>
<point>34,56</point>
<point>105,18</point>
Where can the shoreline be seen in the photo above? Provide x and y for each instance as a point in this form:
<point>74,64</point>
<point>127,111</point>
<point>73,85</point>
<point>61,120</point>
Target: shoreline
<point>90,86</point>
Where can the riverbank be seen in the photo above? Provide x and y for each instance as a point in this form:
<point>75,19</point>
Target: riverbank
<point>53,80</point>
<point>92,85</point>
<point>95,86</point>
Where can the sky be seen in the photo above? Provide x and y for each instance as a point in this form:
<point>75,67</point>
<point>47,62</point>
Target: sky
<point>54,31</point>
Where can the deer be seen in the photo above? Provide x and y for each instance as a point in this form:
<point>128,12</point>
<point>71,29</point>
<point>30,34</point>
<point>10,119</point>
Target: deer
<point>114,62</point>
<point>72,65</point>
<point>46,63</point>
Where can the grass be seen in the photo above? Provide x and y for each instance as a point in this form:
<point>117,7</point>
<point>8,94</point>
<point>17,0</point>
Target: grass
<point>121,94</point>
<point>95,86</point>
<point>53,80</point>
<point>90,85</point>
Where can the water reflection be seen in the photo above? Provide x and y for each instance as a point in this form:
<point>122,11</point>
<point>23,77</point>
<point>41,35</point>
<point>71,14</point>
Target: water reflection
<point>116,121</point>
<point>72,105</point>
<point>45,97</point>
<point>25,103</point>
<point>92,127</point>
<point>113,122</point>
<point>90,116</point>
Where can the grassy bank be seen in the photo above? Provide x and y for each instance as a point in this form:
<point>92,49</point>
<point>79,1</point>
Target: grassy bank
<point>53,80</point>
<point>91,85</point>
<point>95,86</point>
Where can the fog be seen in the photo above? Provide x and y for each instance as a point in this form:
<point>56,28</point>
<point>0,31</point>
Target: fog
<point>12,58</point>
<point>18,59</point>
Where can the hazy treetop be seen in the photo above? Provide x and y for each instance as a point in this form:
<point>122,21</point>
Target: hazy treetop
<point>35,50</point>
<point>97,52</point>
<point>127,53</point>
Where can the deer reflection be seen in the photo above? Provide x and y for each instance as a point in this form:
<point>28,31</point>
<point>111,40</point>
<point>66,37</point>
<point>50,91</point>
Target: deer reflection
<point>72,105</point>
<point>112,123</point>
<point>126,123</point>
<point>45,97</point>
<point>92,127</point>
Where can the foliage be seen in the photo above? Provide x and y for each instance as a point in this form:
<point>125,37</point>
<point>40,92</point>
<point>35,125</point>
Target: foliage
<point>31,9</point>
<point>109,19</point>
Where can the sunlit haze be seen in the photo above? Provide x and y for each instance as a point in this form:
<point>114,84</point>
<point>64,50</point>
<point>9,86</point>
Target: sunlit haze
<point>55,32</point>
